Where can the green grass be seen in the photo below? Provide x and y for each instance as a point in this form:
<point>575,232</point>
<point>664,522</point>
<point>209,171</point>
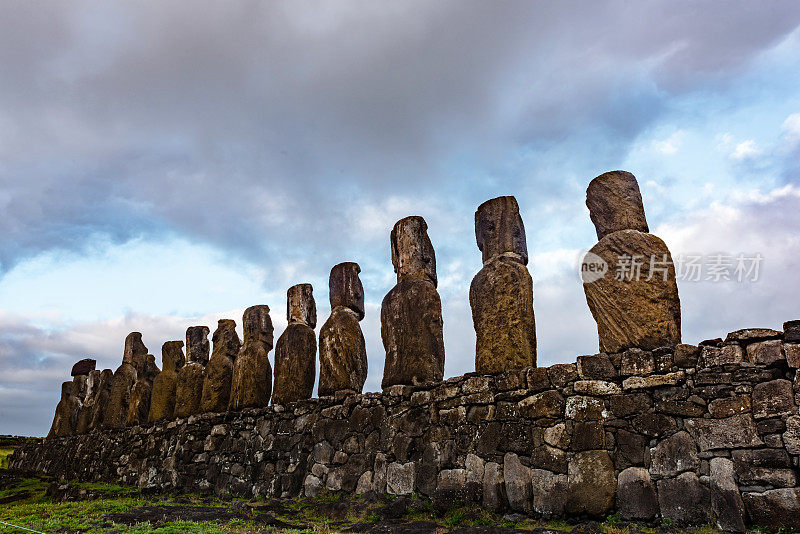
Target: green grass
<point>4,454</point>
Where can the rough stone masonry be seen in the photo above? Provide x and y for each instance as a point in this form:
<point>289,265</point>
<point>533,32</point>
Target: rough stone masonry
<point>694,434</point>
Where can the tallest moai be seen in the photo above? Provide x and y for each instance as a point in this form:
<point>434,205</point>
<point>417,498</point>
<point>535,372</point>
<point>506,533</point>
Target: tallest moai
<point>634,299</point>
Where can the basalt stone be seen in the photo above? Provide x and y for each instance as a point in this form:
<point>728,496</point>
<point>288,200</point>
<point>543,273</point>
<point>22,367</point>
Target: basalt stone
<point>729,406</point>
<point>92,381</point>
<point>596,367</point>
<point>765,352</point>
<point>726,502</point>
<point>674,455</point>
<point>162,400</point>
<point>251,383</point>
<point>791,331</point>
<point>345,289</point>
<point>189,390</point>
<point>738,431</point>
<point>615,203</point>
<point>65,420</point>
<point>773,398</point>
<point>219,371</point>
<point>83,367</point>
<point>686,355</point>
<point>550,492</point>
<point>135,350</point>
<point>139,406</point>
<point>791,437</point>
<point>775,509</point>
<point>197,345</point>
<point>342,353</point>
<point>411,329</point>
<point>501,294</point>
<point>636,495</point>
<point>592,484</point>
<point>295,369</point>
<point>494,497</point>
<point>97,399</point>
<point>749,335</point>
<point>631,449</point>
<point>116,411</point>
<point>517,483</point>
<point>412,251</point>
<point>637,311</point>
<point>683,500</point>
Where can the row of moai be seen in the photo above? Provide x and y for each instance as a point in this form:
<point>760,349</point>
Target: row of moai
<point>641,311</point>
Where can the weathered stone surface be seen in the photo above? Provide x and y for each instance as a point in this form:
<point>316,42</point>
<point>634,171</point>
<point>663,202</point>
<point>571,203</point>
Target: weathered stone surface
<point>592,484</point>
<point>501,297</point>
<point>557,436</point>
<point>300,305</point>
<point>596,387</point>
<point>189,390</point>
<point>116,411</point>
<point>83,367</point>
<point>726,502</point>
<point>295,359</point>
<point>494,496</point>
<point>674,455</point>
<point>219,371</point>
<point>652,381</point>
<point>729,406</point>
<point>641,310</point>
<point>251,382</point>
<point>412,250</point>
<point>550,492</point>
<point>400,478</point>
<point>139,406</point>
<point>791,331</point>
<point>636,495</point>
<point>583,408</point>
<point>774,508</point>
<point>792,351</point>
<point>342,353</point>
<point>631,448</point>
<point>345,289</point>
<point>686,355</point>
<point>791,438</point>
<point>545,404</point>
<point>738,431</point>
<point>637,362</point>
<point>65,420</point>
<point>162,400</point>
<point>411,329</point>
<point>587,435</point>
<point>773,398</point>
<point>475,470</point>
<point>684,500</point>
<point>518,483</point>
<point>562,374</point>
<point>615,203</point>
<point>752,334</point>
<point>93,409</point>
<point>501,294</point>
<point>596,367</point>
<point>197,345</point>
<point>765,352</point>
<point>135,352</point>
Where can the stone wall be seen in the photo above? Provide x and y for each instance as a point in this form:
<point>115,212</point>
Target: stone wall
<point>693,435</point>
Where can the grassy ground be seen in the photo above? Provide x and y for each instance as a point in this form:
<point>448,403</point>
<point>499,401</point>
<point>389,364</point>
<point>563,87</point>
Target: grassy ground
<point>38,503</point>
<point>4,452</point>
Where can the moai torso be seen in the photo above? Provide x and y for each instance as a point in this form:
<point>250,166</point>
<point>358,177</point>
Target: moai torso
<point>116,411</point>
<point>342,350</point>
<point>251,385</point>
<point>66,417</point>
<point>219,371</point>
<point>501,294</point>
<point>142,390</point>
<point>162,399</point>
<point>635,302</point>
<point>99,399</point>
<point>87,409</point>
<point>296,349</point>
<point>189,389</point>
<point>411,313</point>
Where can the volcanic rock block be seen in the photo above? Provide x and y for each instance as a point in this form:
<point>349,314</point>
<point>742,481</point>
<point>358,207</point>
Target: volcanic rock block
<point>635,300</point>
<point>501,294</point>
<point>726,502</point>
<point>65,419</point>
<point>684,500</point>
<point>251,385</point>
<point>615,203</point>
<point>162,400</point>
<point>636,495</point>
<point>197,345</point>
<point>342,350</point>
<point>411,313</point>
<point>296,350</point>
<point>83,367</point>
<point>592,485</point>
<point>219,371</point>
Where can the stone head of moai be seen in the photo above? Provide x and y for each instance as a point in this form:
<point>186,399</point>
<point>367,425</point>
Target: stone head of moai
<point>172,357</point>
<point>345,288</point>
<point>83,367</point>
<point>300,305</point>
<point>135,351</point>
<point>66,390</point>
<point>615,203</point>
<point>412,250</point>
<point>225,339</point>
<point>499,229</point>
<point>257,325</point>
<point>197,345</point>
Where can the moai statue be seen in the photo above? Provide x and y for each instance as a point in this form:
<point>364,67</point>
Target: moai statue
<point>411,313</point>
<point>97,399</point>
<point>251,386</point>
<point>162,399</point>
<point>89,404</point>
<point>219,371</point>
<point>628,276</point>
<point>296,350</point>
<point>83,381</point>
<point>189,389</point>
<point>342,351</point>
<point>142,389</point>
<point>135,356</point>
<point>65,420</point>
<point>501,294</point>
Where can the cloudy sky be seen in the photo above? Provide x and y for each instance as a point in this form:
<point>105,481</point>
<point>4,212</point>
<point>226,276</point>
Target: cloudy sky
<point>165,164</point>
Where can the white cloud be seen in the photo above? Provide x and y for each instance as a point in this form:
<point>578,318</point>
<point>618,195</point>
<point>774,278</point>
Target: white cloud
<point>671,144</point>
<point>791,129</point>
<point>745,150</point>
